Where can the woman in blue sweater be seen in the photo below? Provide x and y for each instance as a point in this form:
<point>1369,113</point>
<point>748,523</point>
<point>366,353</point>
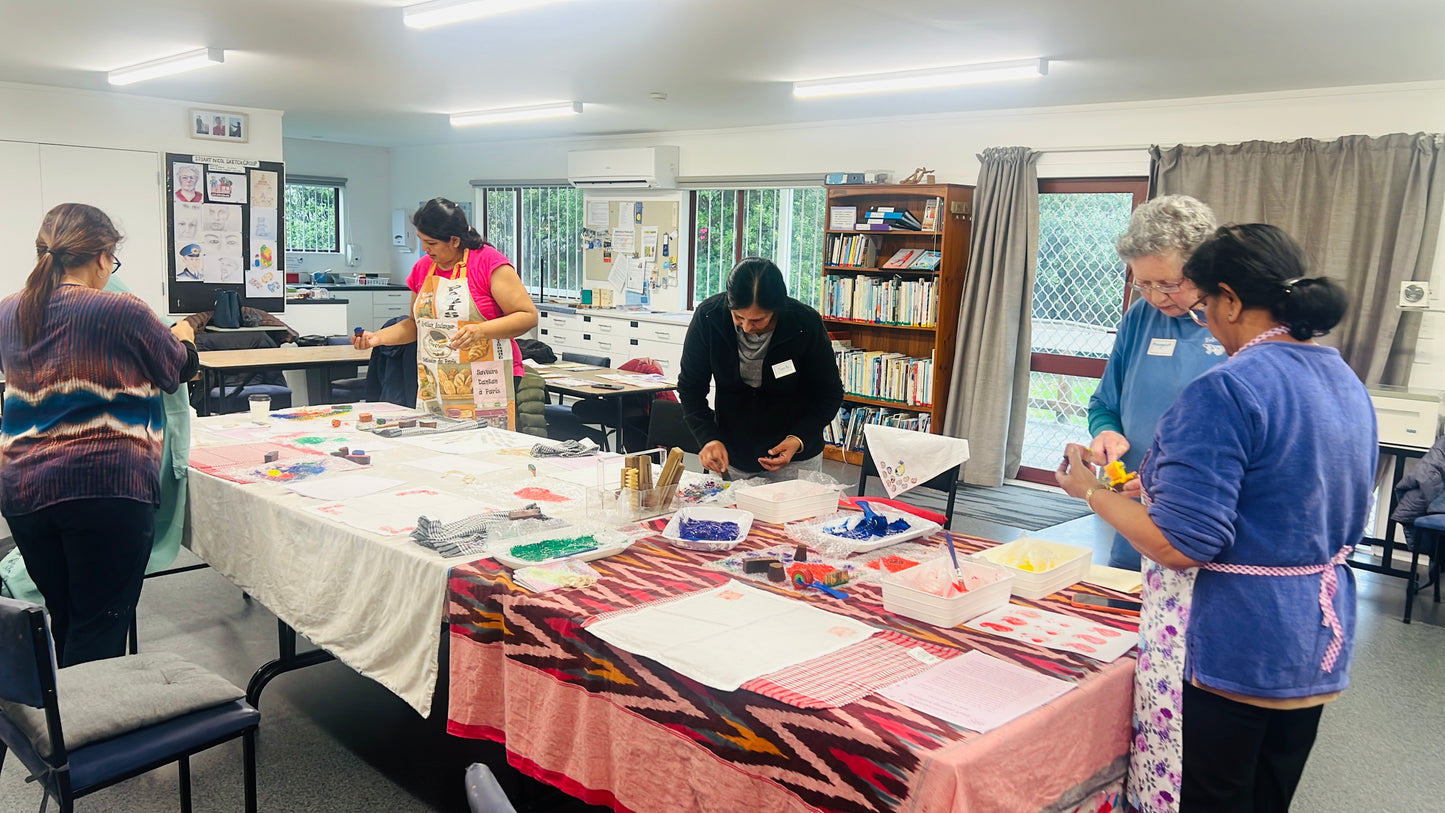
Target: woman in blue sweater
<point>1256,486</point>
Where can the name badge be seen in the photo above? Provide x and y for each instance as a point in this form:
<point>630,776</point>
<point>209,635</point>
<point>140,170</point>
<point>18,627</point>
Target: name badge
<point>1161,347</point>
<point>783,369</point>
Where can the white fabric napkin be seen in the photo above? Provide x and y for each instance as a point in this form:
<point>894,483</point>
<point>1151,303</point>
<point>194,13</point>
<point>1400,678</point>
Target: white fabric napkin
<point>906,458</point>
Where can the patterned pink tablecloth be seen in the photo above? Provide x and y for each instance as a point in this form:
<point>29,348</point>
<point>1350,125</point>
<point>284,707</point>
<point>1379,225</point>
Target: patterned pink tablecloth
<point>616,729</point>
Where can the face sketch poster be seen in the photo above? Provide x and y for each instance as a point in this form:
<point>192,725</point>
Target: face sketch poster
<point>227,231</point>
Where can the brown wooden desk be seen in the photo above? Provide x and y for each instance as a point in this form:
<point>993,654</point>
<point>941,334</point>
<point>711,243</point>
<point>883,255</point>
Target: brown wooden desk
<point>216,363</point>
<point>594,374</point>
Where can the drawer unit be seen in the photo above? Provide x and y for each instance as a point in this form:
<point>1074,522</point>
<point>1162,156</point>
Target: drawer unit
<point>605,344</point>
<point>659,332</point>
<point>560,340</point>
<point>603,325</point>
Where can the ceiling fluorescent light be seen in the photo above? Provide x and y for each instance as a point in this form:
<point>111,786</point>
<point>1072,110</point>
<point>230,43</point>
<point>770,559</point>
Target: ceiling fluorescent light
<point>540,111</point>
<point>180,63</point>
<point>445,12</point>
<point>923,79</point>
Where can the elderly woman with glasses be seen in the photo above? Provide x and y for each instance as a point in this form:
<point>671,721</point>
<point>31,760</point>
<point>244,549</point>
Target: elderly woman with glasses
<point>1255,487</point>
<point>1157,349</point>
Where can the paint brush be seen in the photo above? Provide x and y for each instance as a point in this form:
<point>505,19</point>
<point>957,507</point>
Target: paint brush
<point>953,556</point>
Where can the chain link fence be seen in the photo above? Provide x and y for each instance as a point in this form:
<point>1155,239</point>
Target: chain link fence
<point>1078,299</point>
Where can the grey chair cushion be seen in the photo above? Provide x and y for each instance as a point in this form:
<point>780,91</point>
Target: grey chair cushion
<point>103,699</point>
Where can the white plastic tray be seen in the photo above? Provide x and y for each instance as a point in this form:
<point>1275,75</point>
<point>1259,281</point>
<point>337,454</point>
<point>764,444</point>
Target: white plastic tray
<point>1072,565</point>
<point>917,527</point>
<point>904,599</point>
<point>788,501</point>
<point>609,542</point>
<point>673,534</point>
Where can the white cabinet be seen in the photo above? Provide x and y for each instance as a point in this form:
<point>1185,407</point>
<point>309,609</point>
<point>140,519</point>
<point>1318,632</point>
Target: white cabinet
<point>387,305</point>
<point>619,336</point>
<point>125,184</point>
<point>358,309</point>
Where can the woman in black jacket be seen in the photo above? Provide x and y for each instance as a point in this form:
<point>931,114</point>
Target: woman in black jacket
<point>776,378</point>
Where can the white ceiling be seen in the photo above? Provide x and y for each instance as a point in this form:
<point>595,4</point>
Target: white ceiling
<point>348,70</point>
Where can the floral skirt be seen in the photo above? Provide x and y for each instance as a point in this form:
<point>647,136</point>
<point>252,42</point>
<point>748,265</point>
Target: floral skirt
<point>1156,754</point>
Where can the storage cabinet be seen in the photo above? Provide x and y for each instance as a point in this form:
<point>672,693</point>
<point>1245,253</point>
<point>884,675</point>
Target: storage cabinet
<point>619,336</point>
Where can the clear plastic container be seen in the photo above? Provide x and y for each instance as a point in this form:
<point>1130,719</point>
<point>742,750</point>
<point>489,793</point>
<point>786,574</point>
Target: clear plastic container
<point>618,505</point>
<point>1040,567</point>
<point>789,501</point>
<point>672,533</point>
<point>909,592</point>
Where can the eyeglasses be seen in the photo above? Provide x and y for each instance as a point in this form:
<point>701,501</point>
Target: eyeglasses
<point>1196,312</point>
<point>1160,287</point>
<point>115,264</point>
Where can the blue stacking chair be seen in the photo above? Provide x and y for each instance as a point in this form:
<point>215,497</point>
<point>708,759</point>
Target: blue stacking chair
<point>1429,532</point>
<point>186,711</point>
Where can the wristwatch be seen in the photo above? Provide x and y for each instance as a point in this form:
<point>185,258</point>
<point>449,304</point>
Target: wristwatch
<point>1090,493</point>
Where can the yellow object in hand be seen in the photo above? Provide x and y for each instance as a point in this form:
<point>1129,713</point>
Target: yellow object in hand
<point>1116,476</point>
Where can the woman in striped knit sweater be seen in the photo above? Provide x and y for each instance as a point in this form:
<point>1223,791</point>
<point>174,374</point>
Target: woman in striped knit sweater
<point>81,433</point>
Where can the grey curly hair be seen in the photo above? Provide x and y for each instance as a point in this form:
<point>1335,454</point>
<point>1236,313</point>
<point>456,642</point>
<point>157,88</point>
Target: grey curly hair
<point>1169,223</point>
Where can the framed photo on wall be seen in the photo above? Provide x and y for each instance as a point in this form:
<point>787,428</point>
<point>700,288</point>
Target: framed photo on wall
<point>219,125</point>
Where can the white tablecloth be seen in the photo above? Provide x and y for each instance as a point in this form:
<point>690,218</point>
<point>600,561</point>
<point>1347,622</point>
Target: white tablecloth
<point>375,602</point>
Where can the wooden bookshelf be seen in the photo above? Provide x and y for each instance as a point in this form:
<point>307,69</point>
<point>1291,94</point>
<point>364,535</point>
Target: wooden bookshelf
<point>951,238</point>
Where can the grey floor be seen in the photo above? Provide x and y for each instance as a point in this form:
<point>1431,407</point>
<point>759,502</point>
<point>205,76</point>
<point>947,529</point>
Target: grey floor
<point>332,740</point>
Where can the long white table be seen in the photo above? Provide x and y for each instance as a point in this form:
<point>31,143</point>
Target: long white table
<point>374,602</point>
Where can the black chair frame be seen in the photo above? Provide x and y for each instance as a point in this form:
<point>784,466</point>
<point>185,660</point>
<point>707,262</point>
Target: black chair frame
<point>945,481</point>
<point>40,640</point>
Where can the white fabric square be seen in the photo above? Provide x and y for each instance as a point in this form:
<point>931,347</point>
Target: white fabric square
<point>906,458</point>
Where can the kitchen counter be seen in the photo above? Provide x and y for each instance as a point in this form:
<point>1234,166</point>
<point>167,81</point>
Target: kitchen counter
<point>373,287</point>
<point>332,301</point>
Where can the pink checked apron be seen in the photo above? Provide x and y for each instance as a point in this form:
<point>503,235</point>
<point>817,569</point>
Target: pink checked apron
<point>1156,753</point>
<point>468,383</point>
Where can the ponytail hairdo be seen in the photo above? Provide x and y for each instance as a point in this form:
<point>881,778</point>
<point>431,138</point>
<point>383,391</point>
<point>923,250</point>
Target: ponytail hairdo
<point>1266,268</point>
<point>441,219</point>
<point>72,235</point>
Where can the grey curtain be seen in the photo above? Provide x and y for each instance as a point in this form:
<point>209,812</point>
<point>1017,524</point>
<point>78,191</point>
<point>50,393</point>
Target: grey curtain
<point>989,391</point>
<point>1366,210</point>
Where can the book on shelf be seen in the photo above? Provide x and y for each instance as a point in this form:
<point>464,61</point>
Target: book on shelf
<point>853,250</point>
<point>902,219</point>
<point>883,300</point>
<point>930,214</point>
<point>862,226</point>
<point>903,258</point>
<point>886,376</point>
<point>926,260</point>
<point>846,428</point>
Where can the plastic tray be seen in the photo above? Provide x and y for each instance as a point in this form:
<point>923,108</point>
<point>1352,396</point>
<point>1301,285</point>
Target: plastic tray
<point>917,527</point>
<point>672,534</point>
<point>789,501</point>
<point>609,542</point>
<point>900,598</point>
<point>1072,565</point>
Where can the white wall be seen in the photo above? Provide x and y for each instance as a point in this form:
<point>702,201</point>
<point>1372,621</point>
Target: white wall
<point>108,122</point>
<point>948,145</point>
<point>366,202</point>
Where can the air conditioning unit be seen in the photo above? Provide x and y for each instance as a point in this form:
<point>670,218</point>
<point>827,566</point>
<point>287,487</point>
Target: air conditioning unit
<point>638,168</point>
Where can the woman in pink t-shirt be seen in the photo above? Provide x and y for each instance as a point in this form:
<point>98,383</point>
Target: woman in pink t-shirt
<point>455,251</point>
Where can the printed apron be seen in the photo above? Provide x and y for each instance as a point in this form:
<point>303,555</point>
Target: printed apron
<point>1156,755</point>
<point>468,383</point>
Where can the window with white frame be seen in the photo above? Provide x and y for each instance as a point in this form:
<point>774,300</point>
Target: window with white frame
<point>313,214</point>
<point>784,224</point>
<point>538,228</point>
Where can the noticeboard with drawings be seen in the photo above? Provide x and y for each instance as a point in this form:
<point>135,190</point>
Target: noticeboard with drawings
<point>226,231</point>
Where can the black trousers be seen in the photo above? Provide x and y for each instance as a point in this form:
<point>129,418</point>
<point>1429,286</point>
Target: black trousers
<point>88,558</point>
<point>1240,758</point>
